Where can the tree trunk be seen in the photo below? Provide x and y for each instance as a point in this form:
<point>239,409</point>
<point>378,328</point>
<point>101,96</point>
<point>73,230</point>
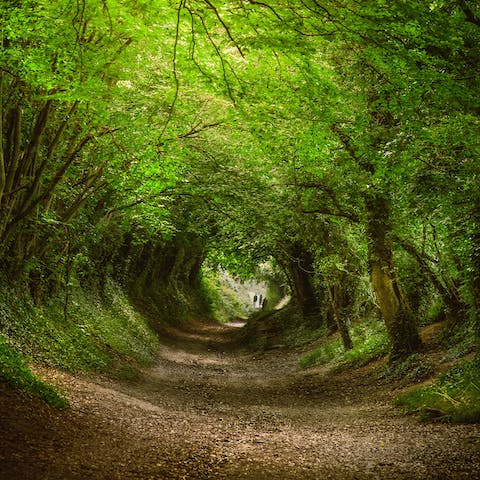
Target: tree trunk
<point>339,318</point>
<point>301,269</point>
<point>394,308</point>
<point>475,265</point>
<point>3,174</point>
<point>13,151</point>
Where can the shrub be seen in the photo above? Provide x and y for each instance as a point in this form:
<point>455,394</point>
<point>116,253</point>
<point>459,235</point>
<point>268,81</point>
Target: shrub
<point>414,368</point>
<point>370,341</point>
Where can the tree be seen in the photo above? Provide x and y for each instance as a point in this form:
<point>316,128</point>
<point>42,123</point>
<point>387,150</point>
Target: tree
<point>247,127</point>
<point>67,111</point>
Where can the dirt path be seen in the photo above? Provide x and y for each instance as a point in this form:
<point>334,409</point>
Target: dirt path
<point>205,412</point>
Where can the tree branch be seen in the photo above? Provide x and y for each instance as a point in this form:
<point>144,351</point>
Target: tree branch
<point>220,19</point>
<point>269,7</point>
<point>3,175</point>
<point>176,80</point>
<point>469,14</point>
<point>324,211</point>
<point>27,209</point>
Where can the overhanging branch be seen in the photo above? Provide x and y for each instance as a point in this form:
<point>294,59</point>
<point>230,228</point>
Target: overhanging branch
<point>325,211</point>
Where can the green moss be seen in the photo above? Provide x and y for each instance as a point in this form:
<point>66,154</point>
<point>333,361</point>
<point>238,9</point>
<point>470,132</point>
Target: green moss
<point>453,397</point>
<point>15,372</point>
<point>323,355</point>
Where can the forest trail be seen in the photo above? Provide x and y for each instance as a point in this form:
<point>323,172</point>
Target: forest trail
<point>206,411</point>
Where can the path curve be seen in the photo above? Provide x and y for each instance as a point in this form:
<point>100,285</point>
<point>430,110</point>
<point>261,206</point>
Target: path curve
<point>205,411</point>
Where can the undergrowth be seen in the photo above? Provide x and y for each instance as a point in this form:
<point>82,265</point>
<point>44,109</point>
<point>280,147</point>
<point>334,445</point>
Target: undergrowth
<point>414,368</point>
<point>453,397</point>
<point>299,334</point>
<point>284,327</point>
<point>14,371</point>
<point>370,341</point>
<point>94,333</point>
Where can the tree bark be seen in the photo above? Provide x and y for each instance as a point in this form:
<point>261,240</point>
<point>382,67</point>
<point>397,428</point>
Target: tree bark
<point>393,305</point>
<point>3,175</point>
<point>14,142</point>
<point>29,204</point>
<point>30,156</point>
<point>339,318</point>
<point>301,268</point>
<point>475,265</point>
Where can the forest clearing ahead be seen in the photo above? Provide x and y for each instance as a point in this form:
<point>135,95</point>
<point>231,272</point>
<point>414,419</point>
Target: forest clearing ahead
<point>208,411</point>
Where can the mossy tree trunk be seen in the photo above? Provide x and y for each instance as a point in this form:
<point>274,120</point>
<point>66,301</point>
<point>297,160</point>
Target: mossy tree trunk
<point>398,318</point>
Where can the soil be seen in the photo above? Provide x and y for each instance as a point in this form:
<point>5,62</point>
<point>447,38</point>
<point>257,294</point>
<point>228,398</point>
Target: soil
<point>209,411</point>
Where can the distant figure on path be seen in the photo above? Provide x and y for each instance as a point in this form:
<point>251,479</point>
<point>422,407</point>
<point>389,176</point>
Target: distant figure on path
<point>260,301</point>
<point>255,300</point>
<point>264,303</point>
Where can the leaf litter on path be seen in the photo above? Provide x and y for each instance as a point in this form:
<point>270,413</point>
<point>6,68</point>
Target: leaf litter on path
<point>207,411</point>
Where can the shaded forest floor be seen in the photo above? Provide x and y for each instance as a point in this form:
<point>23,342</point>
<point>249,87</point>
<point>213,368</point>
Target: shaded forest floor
<point>208,411</point>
